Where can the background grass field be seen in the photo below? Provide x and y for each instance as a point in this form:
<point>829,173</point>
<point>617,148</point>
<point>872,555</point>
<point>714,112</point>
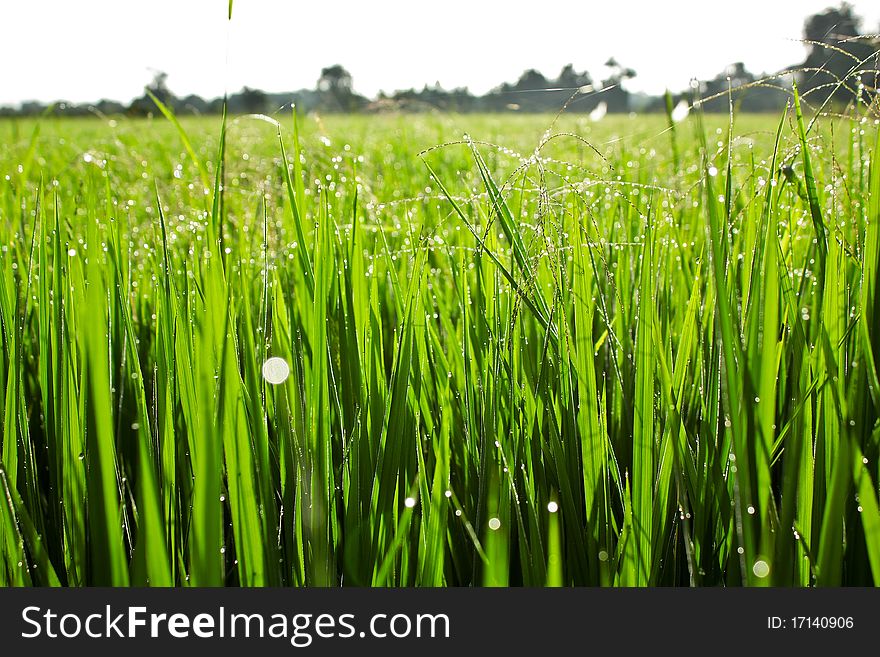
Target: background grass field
<point>547,352</point>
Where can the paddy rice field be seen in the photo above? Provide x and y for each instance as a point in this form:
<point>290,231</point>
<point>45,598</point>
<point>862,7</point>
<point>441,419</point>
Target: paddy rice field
<point>440,350</point>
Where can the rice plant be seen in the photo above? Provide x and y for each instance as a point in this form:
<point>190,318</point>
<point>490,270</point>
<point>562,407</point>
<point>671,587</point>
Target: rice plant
<point>440,350</point>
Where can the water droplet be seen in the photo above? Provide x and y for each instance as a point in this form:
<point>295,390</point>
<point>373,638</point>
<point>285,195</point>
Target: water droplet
<point>409,502</point>
<point>761,569</point>
<point>553,507</point>
<point>276,370</point>
<point>494,524</point>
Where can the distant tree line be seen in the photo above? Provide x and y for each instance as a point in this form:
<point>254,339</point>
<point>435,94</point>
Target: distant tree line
<point>841,66</point>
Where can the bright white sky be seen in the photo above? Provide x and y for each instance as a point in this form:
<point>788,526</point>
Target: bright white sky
<point>84,50</point>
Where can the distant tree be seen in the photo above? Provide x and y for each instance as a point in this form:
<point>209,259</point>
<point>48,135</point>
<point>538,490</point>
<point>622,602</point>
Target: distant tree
<point>738,81</point>
<point>335,79</point>
<point>159,88</point>
<point>462,100</point>
<point>337,90</point>
<point>534,92</point>
<point>615,96</point>
<point>531,80</point>
<point>109,107</point>
<point>252,101</point>
<point>430,97</point>
<point>65,108</point>
<point>834,50</point>
<point>193,104</point>
<point>571,79</point>
<point>32,108</point>
<point>215,106</point>
<point>618,72</point>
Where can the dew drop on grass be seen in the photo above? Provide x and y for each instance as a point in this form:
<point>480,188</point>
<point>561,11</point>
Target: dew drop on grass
<point>494,524</point>
<point>552,507</point>
<point>276,370</point>
<point>409,502</point>
<point>761,569</point>
<point>751,510</point>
